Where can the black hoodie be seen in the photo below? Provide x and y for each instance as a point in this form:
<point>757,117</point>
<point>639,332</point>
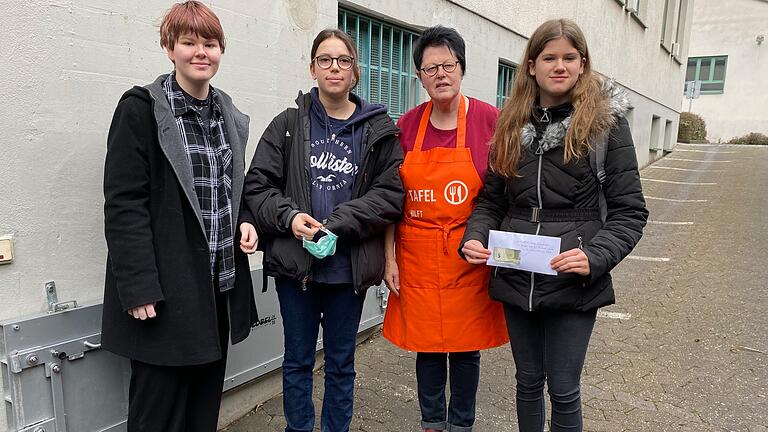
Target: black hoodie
<point>334,161</point>
<point>277,187</point>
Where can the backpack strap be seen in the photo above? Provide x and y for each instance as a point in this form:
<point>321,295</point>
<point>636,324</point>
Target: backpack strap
<point>597,158</point>
<point>291,116</point>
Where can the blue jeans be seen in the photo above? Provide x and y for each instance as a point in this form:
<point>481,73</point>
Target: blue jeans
<point>549,346</point>
<point>338,309</point>
<point>431,375</point>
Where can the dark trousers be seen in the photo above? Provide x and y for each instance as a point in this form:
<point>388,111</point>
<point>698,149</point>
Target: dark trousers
<point>431,375</point>
<point>179,398</point>
<point>549,346</point>
<point>338,309</point>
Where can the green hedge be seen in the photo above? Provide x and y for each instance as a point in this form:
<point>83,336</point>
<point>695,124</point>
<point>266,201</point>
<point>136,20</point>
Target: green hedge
<point>754,138</point>
<point>692,128</point>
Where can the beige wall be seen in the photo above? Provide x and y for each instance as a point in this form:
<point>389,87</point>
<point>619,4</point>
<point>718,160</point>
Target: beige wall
<point>621,48</point>
<point>731,28</point>
<point>71,61</point>
<point>68,62</point>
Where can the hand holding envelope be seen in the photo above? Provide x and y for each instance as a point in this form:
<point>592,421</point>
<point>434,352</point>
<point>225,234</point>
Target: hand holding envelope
<point>572,261</point>
<point>523,251</point>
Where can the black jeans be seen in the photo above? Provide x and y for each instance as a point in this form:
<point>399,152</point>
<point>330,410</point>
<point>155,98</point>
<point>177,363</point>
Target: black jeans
<point>431,375</point>
<point>179,398</point>
<point>549,346</point>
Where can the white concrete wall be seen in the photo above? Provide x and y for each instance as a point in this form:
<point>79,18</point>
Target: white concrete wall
<point>731,28</point>
<point>68,62</point>
<point>621,48</point>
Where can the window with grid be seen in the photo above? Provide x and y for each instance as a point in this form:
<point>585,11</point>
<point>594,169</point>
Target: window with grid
<point>710,71</point>
<point>504,82</point>
<point>387,74</point>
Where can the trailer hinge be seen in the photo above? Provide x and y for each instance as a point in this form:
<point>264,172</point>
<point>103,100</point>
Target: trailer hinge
<point>53,299</point>
<point>381,294</point>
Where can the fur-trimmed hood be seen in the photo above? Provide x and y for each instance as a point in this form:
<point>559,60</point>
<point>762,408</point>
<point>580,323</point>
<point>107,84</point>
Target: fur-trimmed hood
<point>554,134</point>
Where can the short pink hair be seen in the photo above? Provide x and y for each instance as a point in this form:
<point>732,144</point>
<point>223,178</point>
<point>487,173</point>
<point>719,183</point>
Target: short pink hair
<point>190,17</point>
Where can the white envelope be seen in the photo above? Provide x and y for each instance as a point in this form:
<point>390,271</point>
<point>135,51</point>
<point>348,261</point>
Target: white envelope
<point>523,251</point>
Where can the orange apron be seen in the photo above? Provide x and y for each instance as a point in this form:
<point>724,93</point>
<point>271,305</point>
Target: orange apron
<point>443,304</point>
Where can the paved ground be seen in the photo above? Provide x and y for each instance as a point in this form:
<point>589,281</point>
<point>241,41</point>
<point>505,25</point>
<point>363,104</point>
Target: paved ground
<point>687,346</point>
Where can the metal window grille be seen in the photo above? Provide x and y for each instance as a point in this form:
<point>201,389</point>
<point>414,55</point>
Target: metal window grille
<point>710,71</point>
<point>387,74</point>
<point>504,82</point>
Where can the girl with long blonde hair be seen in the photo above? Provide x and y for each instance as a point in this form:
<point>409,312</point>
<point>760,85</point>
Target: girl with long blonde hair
<point>542,181</point>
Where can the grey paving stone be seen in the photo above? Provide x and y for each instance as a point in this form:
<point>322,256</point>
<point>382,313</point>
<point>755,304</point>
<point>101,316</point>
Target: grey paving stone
<point>693,357</point>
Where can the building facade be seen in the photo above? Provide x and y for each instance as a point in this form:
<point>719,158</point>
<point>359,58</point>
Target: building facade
<point>69,61</point>
<point>729,55</point>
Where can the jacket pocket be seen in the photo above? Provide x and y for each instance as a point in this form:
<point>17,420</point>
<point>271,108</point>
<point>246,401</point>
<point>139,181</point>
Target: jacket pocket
<point>369,262</point>
<point>284,256</point>
<point>417,258</point>
<point>572,240</point>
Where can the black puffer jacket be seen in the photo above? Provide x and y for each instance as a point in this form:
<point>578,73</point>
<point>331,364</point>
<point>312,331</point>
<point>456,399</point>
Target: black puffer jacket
<point>277,188</point>
<point>546,182</point>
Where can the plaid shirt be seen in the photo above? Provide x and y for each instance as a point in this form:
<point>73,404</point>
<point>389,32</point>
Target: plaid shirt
<point>210,156</point>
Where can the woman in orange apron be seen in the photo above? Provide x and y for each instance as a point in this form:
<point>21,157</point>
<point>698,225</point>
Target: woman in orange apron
<point>440,307</point>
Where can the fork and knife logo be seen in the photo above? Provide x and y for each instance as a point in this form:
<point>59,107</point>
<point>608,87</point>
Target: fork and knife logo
<point>456,192</point>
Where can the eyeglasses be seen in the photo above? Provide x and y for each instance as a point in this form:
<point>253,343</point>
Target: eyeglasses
<point>325,61</point>
<point>448,67</point>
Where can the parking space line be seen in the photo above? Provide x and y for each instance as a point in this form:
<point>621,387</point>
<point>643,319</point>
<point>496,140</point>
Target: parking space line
<point>669,223</point>
<point>645,258</point>
<point>677,182</point>
<point>685,169</point>
<point>698,160</point>
<point>613,315</point>
<point>649,197</point>
<point>705,151</point>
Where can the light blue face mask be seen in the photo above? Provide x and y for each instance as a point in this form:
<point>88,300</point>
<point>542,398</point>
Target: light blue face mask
<point>324,247</point>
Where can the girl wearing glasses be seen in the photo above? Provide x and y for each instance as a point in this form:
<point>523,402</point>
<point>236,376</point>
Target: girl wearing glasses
<point>323,185</point>
<point>542,181</point>
<point>440,306</point>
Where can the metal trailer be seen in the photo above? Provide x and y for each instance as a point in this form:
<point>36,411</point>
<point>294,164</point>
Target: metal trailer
<point>57,379</point>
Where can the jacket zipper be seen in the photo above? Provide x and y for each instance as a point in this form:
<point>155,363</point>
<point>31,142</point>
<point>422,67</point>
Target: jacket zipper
<point>496,269</point>
<point>305,132</point>
<point>356,186</point>
<point>581,247</point>
<point>540,152</point>
<point>366,152</point>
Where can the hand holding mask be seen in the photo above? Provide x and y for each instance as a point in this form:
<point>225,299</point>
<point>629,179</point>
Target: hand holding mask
<point>325,246</point>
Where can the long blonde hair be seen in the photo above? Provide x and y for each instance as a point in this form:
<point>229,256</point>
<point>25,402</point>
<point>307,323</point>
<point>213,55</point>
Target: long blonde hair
<point>591,115</point>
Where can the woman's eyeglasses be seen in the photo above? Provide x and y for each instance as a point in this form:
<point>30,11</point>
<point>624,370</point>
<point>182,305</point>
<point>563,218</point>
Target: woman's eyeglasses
<point>325,61</point>
<point>448,67</point>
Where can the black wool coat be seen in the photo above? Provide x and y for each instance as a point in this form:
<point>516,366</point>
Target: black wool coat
<point>157,246</point>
